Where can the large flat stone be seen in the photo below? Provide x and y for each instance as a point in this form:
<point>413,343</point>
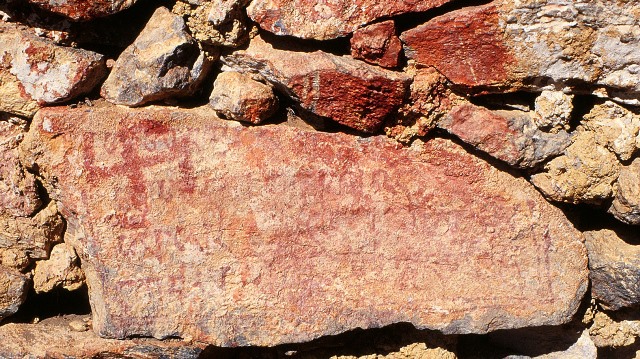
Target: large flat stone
<point>533,44</point>
<point>329,19</point>
<point>194,227</point>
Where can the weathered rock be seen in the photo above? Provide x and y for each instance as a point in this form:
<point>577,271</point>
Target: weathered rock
<point>553,110</point>
<point>190,226</point>
<point>614,267</point>
<point>615,127</point>
<point>163,62</point>
<point>534,44</point>
<point>61,270</point>
<point>23,240</point>
<point>610,332</point>
<point>41,71</point>
<point>215,22</point>
<point>584,348</point>
<point>82,9</point>
<point>238,97</point>
<point>18,188</point>
<point>377,44</point>
<point>13,291</point>
<point>348,91</point>
<point>53,338</point>
<point>510,136</point>
<point>586,172</point>
<point>626,202</point>
<point>328,20</point>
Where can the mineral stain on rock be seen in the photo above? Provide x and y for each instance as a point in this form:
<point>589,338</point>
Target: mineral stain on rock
<point>266,247</point>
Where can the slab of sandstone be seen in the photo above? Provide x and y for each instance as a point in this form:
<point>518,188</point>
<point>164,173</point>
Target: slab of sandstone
<point>194,227</point>
<point>535,44</point>
<point>328,19</point>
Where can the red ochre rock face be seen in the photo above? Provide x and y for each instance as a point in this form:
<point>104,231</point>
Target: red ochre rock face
<point>329,20</point>
<point>194,227</point>
<point>84,10</point>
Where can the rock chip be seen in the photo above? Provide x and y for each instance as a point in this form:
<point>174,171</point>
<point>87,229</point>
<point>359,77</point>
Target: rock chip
<point>13,291</point>
<point>61,270</point>
<point>215,22</point>
<point>510,136</point>
<point>238,97</point>
<point>232,235</point>
<point>534,44</point>
<point>351,92</point>
<point>42,72</point>
<point>626,202</point>
<point>553,110</point>
<point>163,62</point>
<point>330,19</point>
<point>84,10</point>
<point>54,338</point>
<point>614,267</point>
<point>585,173</point>
<point>377,44</point>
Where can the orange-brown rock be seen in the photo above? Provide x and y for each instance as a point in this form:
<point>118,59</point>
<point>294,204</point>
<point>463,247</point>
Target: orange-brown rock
<point>194,227</point>
<point>13,291</point>
<point>377,44</point>
<point>530,44</point>
<point>82,9</point>
<point>351,92</point>
<point>54,338</point>
<point>330,19</point>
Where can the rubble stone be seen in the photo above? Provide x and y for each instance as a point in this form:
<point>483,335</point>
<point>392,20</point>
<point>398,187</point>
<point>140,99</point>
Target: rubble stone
<point>61,270</point>
<point>13,291</point>
<point>238,97</point>
<point>233,235</point>
<point>553,110</point>
<point>377,44</point>
<point>626,202</point>
<point>84,10</point>
<point>163,62</point>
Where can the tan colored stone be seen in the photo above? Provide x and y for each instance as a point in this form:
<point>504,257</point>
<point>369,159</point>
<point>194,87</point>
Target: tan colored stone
<point>163,62</point>
<point>351,92</point>
<point>626,202</point>
<point>61,270</point>
<point>191,226</point>
<point>586,172</point>
<point>553,110</point>
<point>607,332</point>
<point>215,22</point>
<point>53,338</point>
<point>238,97</point>
<point>615,127</point>
<point>13,291</point>
<point>82,9</point>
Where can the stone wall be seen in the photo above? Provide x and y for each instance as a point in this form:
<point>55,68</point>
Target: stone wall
<point>288,178</point>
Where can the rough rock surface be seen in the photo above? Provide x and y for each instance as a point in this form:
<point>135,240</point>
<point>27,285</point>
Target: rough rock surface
<point>238,97</point>
<point>534,44</point>
<point>13,291</point>
<point>61,270</point>
<point>377,44</point>
<point>586,172</point>
<point>82,9</point>
<point>330,19</point>
<point>510,136</point>
<point>614,264</point>
<point>348,91</point>
<point>215,22</point>
<point>613,332</point>
<point>42,72</point>
<point>553,110</point>
<point>584,348</point>
<point>53,338</point>
<point>291,235</point>
<point>626,202</point>
<point>163,62</point>
<point>615,127</point>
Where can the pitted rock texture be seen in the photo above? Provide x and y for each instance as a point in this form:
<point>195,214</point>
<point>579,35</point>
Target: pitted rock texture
<point>13,291</point>
<point>377,44</point>
<point>291,235</point>
<point>553,110</point>
<point>54,338</point>
<point>530,44</point>
<point>163,62</point>
<point>44,73</point>
<point>511,136</point>
<point>626,202</point>
<point>215,22</point>
<point>328,20</point>
<point>351,92</point>
<point>238,97</point>
<point>84,10</point>
<point>614,263</point>
<point>61,270</point>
